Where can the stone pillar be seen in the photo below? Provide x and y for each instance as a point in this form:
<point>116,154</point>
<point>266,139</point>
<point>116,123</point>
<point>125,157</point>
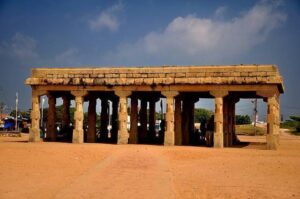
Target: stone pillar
<point>232,135</point>
<point>218,123</point>
<point>66,113</point>
<point>152,118</point>
<point>133,139</point>
<point>91,134</point>
<point>78,116</point>
<point>226,121</point>
<point>123,132</point>
<point>143,120</point>
<point>169,133</point>
<point>34,132</point>
<point>104,119</point>
<point>273,120</point>
<point>51,127</point>
<point>178,122</point>
<point>114,121</point>
<point>273,117</point>
<point>191,121</point>
<point>187,120</point>
<point>230,122</point>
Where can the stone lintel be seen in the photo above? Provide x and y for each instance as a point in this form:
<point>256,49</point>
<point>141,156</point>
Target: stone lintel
<point>38,93</point>
<point>158,75</point>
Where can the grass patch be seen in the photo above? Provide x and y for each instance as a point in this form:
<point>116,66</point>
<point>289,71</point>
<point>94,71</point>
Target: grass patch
<point>248,129</point>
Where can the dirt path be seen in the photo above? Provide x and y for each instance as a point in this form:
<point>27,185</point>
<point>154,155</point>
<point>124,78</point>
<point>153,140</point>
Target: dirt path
<point>63,170</point>
<point>131,173</point>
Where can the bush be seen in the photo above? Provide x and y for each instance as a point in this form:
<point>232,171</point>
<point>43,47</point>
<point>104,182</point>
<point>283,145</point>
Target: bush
<point>242,119</point>
<point>298,127</point>
<point>292,123</point>
<point>289,124</point>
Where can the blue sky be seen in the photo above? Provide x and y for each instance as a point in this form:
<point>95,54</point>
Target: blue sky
<point>75,33</point>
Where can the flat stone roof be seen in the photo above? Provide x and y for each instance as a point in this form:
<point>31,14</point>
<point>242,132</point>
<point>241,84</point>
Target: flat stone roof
<point>158,75</point>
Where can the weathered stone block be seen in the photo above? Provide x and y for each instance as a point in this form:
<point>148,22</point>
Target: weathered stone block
<point>158,80</point>
<point>93,75</point>
<point>153,75</point>
<point>143,75</point>
<point>161,75</point>
<point>148,81</point>
<point>138,81</point>
<point>180,80</point>
<point>168,80</point>
<point>244,74</point>
<point>112,75</point>
<point>170,74</point>
<point>129,81</point>
<point>99,81</point>
<point>74,81</point>
<point>236,74</point>
<point>251,80</point>
<point>88,81</point>
<point>180,75</point>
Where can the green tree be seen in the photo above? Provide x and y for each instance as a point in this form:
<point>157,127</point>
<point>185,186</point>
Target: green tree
<point>24,114</point>
<point>158,115</point>
<point>202,115</point>
<point>2,107</point>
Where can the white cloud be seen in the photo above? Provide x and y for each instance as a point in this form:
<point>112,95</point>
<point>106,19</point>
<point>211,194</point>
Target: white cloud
<point>69,57</point>
<point>198,39</point>
<point>107,18</point>
<point>21,47</point>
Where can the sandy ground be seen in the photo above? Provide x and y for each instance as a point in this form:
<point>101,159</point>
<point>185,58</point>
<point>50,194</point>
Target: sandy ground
<point>63,170</point>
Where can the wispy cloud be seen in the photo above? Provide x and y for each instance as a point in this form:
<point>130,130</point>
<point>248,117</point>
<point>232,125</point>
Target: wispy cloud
<point>220,11</point>
<point>203,39</point>
<point>21,47</point>
<point>108,18</point>
<point>69,57</point>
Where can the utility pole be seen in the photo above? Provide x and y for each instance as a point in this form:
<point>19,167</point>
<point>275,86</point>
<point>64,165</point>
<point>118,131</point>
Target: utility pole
<point>109,118</point>
<point>17,101</point>
<point>254,114</point>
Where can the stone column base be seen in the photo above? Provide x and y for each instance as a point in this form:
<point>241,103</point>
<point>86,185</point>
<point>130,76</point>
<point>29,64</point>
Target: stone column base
<point>77,136</point>
<point>218,140</point>
<point>122,138</point>
<point>34,135</point>
<point>272,141</point>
